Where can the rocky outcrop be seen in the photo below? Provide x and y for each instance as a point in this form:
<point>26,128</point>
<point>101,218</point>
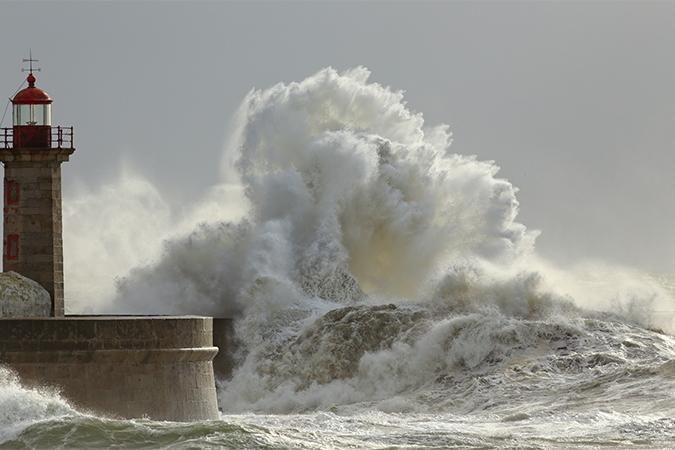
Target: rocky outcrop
<point>22,297</point>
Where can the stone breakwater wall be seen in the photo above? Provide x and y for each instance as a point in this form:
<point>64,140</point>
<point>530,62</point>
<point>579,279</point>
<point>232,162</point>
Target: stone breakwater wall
<point>232,350</point>
<point>159,367</point>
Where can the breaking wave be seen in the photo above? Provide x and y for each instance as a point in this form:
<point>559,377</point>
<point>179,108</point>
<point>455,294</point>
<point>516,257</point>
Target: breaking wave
<point>371,264</point>
<point>348,194</point>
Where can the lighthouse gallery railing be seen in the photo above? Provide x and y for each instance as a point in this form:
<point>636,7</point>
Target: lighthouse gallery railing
<point>62,137</point>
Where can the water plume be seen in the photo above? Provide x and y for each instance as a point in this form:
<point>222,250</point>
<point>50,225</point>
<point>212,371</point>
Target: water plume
<point>365,261</point>
<point>347,192</point>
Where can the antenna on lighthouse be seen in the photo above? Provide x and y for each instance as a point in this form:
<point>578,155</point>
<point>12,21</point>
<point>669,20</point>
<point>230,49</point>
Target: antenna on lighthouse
<point>30,60</point>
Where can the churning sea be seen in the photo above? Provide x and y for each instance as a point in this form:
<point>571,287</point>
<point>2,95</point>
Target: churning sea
<point>386,298</point>
<point>586,381</point>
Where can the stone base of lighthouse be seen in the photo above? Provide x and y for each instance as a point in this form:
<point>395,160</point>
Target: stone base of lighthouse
<point>33,245</point>
<point>120,366</point>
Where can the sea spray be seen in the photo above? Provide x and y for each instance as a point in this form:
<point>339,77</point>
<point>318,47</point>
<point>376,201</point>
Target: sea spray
<point>126,224</point>
<point>374,267</point>
<point>22,407</point>
<point>106,232</point>
<point>343,181</point>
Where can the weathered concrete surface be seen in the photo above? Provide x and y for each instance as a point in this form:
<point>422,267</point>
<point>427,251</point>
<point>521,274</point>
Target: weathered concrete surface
<point>122,366</point>
<point>22,297</point>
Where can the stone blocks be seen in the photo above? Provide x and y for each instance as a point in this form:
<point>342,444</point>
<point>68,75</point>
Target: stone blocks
<point>120,366</point>
<point>34,219</point>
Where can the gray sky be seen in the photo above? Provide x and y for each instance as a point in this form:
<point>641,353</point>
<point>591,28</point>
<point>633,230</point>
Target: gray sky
<point>574,101</point>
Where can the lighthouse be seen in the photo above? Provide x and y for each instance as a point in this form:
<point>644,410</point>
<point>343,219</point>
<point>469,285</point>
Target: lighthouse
<point>159,367</point>
<point>32,152</point>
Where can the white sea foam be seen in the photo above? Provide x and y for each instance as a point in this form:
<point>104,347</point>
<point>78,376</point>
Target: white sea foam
<point>21,407</point>
<point>342,181</point>
<point>368,265</point>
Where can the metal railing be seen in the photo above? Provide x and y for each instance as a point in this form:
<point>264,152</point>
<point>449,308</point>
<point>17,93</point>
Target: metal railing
<point>7,138</point>
<point>62,137</point>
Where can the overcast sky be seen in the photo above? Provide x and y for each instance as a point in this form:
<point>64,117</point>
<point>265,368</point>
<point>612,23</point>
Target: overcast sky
<point>574,101</point>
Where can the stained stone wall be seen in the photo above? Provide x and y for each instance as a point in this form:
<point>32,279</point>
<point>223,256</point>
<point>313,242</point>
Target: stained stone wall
<point>34,217</point>
<point>128,367</point>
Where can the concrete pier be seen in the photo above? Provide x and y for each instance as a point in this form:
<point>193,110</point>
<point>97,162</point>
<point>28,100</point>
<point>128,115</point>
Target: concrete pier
<point>159,367</point>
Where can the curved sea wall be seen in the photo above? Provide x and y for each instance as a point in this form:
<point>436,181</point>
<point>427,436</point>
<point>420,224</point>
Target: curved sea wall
<point>159,367</point>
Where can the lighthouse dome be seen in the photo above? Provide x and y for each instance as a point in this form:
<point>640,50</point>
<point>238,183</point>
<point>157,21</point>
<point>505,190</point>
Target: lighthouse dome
<point>31,95</point>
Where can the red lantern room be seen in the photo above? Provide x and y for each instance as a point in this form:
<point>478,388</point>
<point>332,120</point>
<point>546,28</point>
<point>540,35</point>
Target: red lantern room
<point>32,111</point>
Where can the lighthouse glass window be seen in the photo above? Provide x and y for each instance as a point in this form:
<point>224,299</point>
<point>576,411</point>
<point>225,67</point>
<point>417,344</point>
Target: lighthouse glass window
<point>33,114</point>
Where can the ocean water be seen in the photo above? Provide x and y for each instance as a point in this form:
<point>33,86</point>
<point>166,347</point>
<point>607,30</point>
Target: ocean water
<point>386,296</point>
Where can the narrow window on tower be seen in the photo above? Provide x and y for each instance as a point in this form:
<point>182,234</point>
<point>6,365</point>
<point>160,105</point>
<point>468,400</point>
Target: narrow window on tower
<point>12,192</point>
<point>13,246</point>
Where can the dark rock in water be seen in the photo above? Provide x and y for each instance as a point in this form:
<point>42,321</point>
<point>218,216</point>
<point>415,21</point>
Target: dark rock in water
<point>332,347</point>
<point>23,297</point>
